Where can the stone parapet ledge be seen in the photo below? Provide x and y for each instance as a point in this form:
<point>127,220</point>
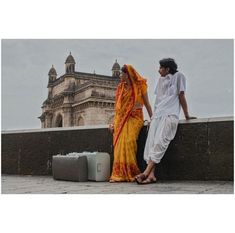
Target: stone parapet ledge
<point>206,120</point>
<point>199,120</point>
<point>201,150</point>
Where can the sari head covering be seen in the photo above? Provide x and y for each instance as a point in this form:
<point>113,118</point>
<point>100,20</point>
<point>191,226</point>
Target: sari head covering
<point>125,101</point>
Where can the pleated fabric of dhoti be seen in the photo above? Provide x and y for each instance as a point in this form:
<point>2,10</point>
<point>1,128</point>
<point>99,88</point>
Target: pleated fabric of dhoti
<point>161,131</point>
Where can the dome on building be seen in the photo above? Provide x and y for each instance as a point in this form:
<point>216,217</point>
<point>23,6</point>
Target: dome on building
<point>116,66</point>
<point>52,71</point>
<point>70,59</point>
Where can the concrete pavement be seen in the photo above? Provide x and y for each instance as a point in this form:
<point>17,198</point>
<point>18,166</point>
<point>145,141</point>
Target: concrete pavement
<point>15,184</point>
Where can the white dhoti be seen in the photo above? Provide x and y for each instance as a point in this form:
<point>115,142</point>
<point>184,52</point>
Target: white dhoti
<point>161,131</point>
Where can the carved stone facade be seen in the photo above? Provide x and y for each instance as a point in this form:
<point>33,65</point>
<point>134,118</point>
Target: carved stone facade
<point>78,98</point>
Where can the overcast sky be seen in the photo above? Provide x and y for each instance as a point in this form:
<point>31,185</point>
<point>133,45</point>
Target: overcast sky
<point>207,65</point>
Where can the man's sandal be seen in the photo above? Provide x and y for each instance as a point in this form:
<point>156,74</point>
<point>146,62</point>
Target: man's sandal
<point>148,181</point>
<point>139,178</point>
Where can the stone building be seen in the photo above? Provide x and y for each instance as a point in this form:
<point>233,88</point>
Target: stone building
<point>78,98</point>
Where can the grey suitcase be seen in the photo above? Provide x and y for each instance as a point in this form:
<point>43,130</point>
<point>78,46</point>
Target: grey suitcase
<point>98,165</point>
<point>72,168</point>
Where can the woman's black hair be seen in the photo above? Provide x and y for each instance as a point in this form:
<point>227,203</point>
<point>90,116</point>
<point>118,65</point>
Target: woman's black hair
<point>169,63</point>
<point>124,69</point>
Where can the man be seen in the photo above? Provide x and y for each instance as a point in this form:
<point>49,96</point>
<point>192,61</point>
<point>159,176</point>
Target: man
<point>170,97</point>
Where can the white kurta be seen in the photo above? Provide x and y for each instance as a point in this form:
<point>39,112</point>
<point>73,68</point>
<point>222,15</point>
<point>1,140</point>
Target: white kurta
<point>167,95</point>
<point>165,118</point>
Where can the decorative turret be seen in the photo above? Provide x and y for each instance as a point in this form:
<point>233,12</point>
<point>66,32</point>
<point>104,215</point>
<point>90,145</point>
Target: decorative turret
<point>52,74</point>
<point>116,69</point>
<point>70,64</point>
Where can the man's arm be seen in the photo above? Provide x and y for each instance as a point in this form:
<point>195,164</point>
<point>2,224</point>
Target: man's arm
<point>184,105</point>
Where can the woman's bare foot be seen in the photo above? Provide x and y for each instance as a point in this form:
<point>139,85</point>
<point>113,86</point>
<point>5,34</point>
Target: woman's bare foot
<point>112,181</point>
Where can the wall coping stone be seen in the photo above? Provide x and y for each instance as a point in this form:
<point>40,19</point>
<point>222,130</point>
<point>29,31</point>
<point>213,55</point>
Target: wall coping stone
<point>199,120</point>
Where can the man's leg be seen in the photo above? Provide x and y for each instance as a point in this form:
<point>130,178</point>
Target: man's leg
<point>167,130</point>
<point>149,142</point>
<point>149,168</point>
<point>151,178</point>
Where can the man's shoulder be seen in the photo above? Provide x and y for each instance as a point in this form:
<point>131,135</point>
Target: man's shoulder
<point>179,74</point>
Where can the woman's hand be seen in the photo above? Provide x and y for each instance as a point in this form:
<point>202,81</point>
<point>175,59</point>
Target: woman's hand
<point>147,105</point>
<point>111,127</point>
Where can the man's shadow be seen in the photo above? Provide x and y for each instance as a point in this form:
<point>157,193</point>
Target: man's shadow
<point>140,148</point>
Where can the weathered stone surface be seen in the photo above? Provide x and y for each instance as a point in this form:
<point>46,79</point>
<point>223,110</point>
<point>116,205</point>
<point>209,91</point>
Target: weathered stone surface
<point>16,184</point>
<point>187,154</point>
<point>200,151</point>
<point>33,151</point>
<point>78,98</point>
<point>10,154</point>
<point>220,150</point>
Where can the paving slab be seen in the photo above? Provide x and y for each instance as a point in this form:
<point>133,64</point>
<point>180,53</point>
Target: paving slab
<point>15,184</point>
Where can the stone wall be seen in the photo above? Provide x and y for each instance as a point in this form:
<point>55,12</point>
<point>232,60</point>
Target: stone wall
<point>201,150</point>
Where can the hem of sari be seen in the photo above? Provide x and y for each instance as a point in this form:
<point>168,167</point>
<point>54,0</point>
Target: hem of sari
<point>121,179</point>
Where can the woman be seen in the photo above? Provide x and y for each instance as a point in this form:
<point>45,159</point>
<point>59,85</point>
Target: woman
<point>131,95</point>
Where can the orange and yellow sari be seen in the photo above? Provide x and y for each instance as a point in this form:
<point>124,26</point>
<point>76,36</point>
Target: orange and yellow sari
<point>128,121</point>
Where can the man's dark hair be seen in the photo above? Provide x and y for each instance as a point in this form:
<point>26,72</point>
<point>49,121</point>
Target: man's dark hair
<point>169,63</point>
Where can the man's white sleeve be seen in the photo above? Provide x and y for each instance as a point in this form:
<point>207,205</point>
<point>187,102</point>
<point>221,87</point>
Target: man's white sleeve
<point>181,83</point>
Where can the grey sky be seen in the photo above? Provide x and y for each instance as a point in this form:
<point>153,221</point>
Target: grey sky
<point>207,65</point>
